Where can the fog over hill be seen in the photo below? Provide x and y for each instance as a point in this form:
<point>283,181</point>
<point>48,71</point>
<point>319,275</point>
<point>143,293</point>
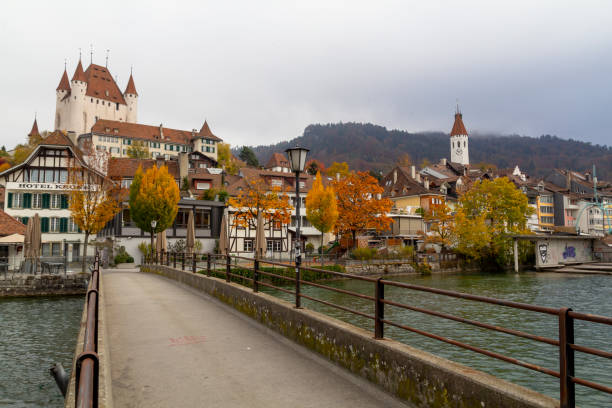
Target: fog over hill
<point>371,147</point>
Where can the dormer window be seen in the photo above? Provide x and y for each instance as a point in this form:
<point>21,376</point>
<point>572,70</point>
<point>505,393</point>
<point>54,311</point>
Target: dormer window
<point>106,93</point>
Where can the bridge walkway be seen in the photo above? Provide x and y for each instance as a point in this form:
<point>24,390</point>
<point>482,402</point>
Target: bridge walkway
<point>172,346</point>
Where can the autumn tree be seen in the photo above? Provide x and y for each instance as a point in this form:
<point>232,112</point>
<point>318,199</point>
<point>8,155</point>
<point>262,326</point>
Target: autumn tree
<point>94,198</point>
<point>404,160</point>
<point>321,207</point>
<point>360,206</point>
<point>154,196</point>
<point>314,166</point>
<point>138,150</point>
<point>488,214</point>
<point>440,219</point>
<point>336,168</point>
<point>226,159</point>
<point>256,196</point>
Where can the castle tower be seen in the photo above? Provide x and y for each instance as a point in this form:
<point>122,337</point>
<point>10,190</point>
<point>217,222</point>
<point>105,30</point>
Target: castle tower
<point>61,95</point>
<point>34,133</point>
<point>459,141</point>
<point>79,122</point>
<point>131,98</point>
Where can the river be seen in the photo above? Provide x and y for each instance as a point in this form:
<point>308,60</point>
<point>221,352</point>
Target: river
<point>35,333</point>
<point>591,294</point>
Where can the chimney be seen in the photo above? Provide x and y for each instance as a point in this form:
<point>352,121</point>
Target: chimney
<point>426,183</point>
<point>183,163</point>
<point>412,172</point>
<point>337,176</point>
<point>443,161</point>
<point>161,132</point>
<point>568,180</point>
<point>394,176</point>
<point>418,177</point>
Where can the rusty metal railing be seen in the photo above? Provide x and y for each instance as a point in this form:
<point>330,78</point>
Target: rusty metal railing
<point>221,266</point>
<point>87,364</point>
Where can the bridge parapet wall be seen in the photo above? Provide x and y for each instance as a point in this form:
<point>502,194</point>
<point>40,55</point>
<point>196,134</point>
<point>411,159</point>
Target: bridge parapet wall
<point>422,379</point>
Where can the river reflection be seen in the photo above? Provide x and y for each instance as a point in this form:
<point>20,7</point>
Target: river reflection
<point>590,294</point>
<point>35,333</point>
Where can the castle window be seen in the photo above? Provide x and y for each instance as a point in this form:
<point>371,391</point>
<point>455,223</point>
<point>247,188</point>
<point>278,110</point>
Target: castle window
<point>464,143</point>
<point>91,100</point>
<point>97,101</point>
<point>117,106</point>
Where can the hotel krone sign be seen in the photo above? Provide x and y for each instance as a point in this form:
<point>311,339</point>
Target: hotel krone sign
<point>49,186</point>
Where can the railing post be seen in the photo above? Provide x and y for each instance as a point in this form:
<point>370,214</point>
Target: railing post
<point>167,258</point>
<point>566,359</point>
<point>298,298</point>
<point>228,267</point>
<point>208,264</point>
<point>194,263</point>
<point>183,261</point>
<point>174,264</point>
<point>379,309</point>
<point>256,276</point>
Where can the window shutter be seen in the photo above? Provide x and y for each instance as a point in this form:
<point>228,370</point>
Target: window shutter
<point>46,201</point>
<point>24,220</point>
<point>10,201</point>
<point>27,200</point>
<point>44,223</point>
<point>64,201</point>
<point>63,224</point>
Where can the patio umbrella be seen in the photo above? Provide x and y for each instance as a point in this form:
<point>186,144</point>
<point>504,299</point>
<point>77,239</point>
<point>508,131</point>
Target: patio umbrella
<point>260,237</point>
<point>223,236</point>
<point>190,233</point>
<point>36,237</point>
<point>27,240</point>
<point>161,244</point>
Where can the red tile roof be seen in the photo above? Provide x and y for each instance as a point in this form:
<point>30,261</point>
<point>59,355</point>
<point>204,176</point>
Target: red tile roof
<point>458,126</point>
<point>278,160</point>
<point>131,88</point>
<point>101,85</point>
<point>79,75</point>
<point>207,133</point>
<point>9,225</point>
<point>138,131</point>
<point>64,84</point>
<point>121,167</point>
<point>34,130</point>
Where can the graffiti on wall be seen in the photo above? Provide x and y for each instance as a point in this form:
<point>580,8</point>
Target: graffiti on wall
<point>543,251</point>
<point>569,252</point>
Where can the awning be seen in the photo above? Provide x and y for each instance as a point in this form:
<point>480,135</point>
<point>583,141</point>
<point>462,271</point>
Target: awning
<point>12,239</point>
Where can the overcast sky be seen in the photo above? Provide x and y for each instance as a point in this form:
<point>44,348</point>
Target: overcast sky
<point>261,71</point>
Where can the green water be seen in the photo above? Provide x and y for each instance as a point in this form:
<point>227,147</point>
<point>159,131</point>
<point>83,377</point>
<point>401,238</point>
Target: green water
<point>35,333</point>
<point>591,294</point>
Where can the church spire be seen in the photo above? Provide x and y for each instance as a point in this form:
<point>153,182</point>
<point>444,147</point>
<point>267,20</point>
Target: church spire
<point>130,88</point>
<point>34,131</point>
<point>79,75</point>
<point>64,84</point>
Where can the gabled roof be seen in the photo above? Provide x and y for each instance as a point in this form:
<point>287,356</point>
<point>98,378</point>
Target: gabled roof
<point>9,225</point>
<point>238,183</point>
<point>124,167</point>
<point>101,85</point>
<point>207,133</point>
<point>64,84</point>
<point>278,160</point>
<point>34,131</point>
<point>131,88</point>
<point>458,126</point>
<point>79,75</point>
<point>139,131</point>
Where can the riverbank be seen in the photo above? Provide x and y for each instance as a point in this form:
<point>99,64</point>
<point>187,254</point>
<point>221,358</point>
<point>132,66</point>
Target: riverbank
<point>15,285</point>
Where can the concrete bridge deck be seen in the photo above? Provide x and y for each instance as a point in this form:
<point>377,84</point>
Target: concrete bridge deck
<point>171,346</point>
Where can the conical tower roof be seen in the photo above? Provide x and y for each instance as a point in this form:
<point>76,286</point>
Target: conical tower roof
<point>79,75</point>
<point>64,84</point>
<point>34,131</point>
<point>458,126</point>
<point>131,88</point>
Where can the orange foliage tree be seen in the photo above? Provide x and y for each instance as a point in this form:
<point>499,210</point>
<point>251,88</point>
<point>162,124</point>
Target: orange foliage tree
<point>256,197</point>
<point>94,198</point>
<point>360,206</point>
<point>321,207</point>
<point>440,219</point>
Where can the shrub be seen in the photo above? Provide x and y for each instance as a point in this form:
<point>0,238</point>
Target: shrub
<point>309,248</point>
<point>363,253</point>
<point>123,257</point>
<point>144,248</point>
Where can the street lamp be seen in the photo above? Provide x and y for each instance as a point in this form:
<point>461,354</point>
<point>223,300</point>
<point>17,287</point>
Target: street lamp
<point>153,225</point>
<point>297,158</point>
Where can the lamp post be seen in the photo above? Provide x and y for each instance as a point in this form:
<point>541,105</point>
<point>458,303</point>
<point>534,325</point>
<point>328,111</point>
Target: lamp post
<point>297,158</point>
<point>153,225</point>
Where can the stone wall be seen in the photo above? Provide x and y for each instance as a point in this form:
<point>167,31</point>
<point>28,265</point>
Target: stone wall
<point>422,379</point>
<point>43,285</point>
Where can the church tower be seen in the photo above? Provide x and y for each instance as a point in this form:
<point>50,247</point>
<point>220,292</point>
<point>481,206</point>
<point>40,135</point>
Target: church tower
<point>131,98</point>
<point>459,141</point>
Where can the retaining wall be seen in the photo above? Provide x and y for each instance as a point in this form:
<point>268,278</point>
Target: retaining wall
<point>422,379</point>
<point>43,285</point>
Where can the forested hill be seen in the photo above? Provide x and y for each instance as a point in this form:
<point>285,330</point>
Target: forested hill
<point>372,147</point>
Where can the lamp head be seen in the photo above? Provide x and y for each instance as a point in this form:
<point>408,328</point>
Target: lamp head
<point>297,158</point>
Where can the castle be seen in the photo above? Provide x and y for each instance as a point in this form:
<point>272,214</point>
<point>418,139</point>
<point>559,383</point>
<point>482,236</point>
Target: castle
<point>91,95</point>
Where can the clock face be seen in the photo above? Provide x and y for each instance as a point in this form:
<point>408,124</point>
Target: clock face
<point>459,151</point>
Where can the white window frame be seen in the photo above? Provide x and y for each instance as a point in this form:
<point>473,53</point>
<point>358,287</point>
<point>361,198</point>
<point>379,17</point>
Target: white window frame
<point>55,201</point>
<point>17,200</point>
<point>36,200</point>
<point>54,224</point>
<point>247,245</point>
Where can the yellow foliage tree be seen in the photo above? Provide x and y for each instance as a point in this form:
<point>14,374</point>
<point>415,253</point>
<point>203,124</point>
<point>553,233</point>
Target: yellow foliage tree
<point>154,196</point>
<point>226,158</point>
<point>94,198</point>
<point>138,150</point>
<point>321,207</point>
<point>359,204</point>
<point>257,196</point>
<point>336,169</point>
<point>440,219</point>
